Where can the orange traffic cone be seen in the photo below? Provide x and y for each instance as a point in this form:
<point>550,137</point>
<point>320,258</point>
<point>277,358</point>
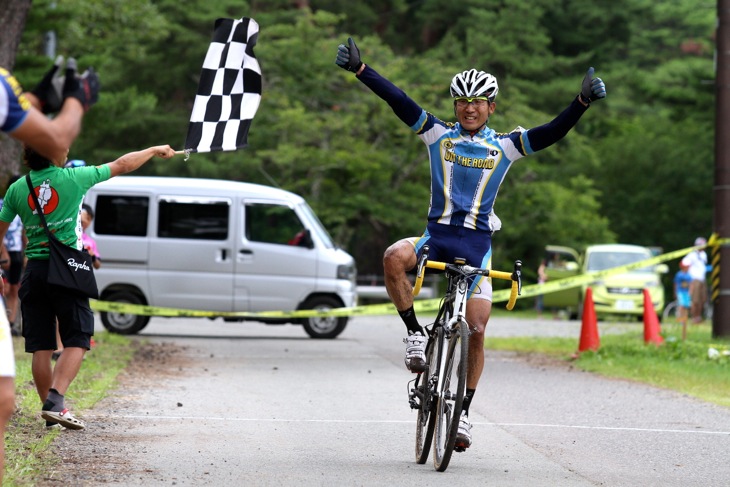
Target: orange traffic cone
<point>589,339</point>
<point>652,331</point>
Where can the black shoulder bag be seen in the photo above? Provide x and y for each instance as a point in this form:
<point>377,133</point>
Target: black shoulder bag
<point>67,267</point>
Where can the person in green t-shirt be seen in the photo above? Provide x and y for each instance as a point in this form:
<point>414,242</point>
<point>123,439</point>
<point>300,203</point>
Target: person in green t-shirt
<point>22,117</point>
<point>60,193</point>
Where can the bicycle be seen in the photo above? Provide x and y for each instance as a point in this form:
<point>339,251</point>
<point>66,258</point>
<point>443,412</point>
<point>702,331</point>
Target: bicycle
<point>670,311</point>
<point>437,393</point>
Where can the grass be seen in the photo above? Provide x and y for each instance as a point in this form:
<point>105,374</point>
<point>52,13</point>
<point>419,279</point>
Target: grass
<point>683,366</point>
<point>27,442</point>
<point>679,365</point>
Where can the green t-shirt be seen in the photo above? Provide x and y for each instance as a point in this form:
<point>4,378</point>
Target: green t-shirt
<point>60,193</point>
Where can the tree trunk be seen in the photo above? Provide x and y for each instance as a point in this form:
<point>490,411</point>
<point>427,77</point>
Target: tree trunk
<point>13,14</point>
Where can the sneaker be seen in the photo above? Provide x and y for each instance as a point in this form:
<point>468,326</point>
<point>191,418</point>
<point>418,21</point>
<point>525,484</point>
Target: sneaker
<point>54,426</point>
<point>415,352</point>
<point>64,418</point>
<point>463,436</point>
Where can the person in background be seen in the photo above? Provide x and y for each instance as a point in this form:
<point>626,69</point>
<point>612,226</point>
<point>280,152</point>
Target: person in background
<point>22,117</point>
<point>42,304</point>
<point>541,279</point>
<point>87,216</point>
<point>682,283</point>
<point>696,261</point>
<point>14,243</point>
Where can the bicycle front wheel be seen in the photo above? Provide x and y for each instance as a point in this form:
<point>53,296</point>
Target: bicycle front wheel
<point>425,386</point>
<point>450,395</point>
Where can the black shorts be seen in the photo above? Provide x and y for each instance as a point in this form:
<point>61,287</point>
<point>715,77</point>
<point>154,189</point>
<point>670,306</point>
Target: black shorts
<point>16,267</point>
<point>41,304</point>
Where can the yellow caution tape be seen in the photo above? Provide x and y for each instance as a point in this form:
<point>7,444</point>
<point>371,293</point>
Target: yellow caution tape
<point>421,306</point>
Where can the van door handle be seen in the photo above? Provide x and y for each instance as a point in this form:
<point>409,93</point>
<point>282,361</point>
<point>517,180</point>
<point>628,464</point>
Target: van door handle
<point>245,252</point>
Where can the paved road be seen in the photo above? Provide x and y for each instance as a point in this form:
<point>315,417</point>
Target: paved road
<point>249,404</point>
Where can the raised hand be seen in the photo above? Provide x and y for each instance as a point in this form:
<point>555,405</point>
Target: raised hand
<point>85,88</point>
<point>348,57</point>
<point>49,90</point>
<point>592,88</point>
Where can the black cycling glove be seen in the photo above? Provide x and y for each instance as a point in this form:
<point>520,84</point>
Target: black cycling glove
<point>348,57</point>
<point>48,91</point>
<point>592,88</point>
<point>84,88</point>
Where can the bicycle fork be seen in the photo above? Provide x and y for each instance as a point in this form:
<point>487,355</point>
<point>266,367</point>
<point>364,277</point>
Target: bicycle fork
<point>459,315</point>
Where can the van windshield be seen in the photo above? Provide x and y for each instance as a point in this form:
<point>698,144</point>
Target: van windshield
<point>317,226</point>
<point>599,261</point>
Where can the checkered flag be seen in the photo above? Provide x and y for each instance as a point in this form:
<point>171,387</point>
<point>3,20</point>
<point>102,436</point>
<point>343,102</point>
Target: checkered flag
<point>229,92</point>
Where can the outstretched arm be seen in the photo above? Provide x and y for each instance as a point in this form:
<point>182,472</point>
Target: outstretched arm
<point>546,135</point>
<point>348,57</point>
<point>51,138</point>
<point>132,161</point>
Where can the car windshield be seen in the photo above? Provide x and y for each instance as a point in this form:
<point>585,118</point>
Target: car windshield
<point>317,226</point>
<point>598,261</point>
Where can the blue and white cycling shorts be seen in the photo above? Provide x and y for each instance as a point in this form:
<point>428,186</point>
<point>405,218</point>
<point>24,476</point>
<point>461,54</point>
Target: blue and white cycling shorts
<point>447,242</point>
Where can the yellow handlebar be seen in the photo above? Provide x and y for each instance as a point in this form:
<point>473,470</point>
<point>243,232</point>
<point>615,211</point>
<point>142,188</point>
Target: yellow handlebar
<point>507,276</point>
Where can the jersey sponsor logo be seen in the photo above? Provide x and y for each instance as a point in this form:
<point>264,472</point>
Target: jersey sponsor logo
<point>477,162</point>
<point>47,198</point>
<point>17,89</point>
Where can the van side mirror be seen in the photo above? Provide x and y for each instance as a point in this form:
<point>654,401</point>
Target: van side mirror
<point>662,268</point>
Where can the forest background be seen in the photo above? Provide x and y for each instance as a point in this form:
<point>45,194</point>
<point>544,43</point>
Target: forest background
<point>638,168</point>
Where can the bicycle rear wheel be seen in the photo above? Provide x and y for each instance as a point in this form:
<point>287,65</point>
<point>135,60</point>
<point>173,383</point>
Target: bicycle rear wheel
<point>451,395</point>
<point>425,385</point>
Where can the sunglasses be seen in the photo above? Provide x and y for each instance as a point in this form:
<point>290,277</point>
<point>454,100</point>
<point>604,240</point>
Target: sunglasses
<point>477,101</point>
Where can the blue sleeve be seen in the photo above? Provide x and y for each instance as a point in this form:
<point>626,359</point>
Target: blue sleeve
<point>546,135</point>
<point>405,108</point>
<point>14,105</point>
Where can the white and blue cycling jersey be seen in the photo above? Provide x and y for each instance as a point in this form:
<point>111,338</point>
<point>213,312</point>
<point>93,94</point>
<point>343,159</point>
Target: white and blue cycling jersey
<point>467,168</point>
<point>13,104</point>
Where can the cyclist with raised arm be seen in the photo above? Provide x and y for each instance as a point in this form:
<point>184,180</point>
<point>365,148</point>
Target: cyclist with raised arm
<point>468,162</point>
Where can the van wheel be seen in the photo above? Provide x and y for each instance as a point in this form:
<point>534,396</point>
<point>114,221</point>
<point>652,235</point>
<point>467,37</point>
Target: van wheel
<point>124,323</point>
<point>323,327</point>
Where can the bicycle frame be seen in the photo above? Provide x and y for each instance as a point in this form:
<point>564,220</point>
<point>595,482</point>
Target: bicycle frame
<point>439,401</point>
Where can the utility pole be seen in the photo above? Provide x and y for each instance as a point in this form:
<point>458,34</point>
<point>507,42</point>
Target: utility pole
<point>720,256</point>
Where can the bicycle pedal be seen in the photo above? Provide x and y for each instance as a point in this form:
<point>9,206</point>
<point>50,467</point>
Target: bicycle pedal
<point>459,449</point>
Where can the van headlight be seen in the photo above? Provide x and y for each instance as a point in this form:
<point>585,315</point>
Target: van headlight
<point>347,272</point>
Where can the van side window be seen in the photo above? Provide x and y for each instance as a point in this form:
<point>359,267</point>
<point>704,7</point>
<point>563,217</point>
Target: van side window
<point>121,215</point>
<point>200,221</point>
<point>273,224</point>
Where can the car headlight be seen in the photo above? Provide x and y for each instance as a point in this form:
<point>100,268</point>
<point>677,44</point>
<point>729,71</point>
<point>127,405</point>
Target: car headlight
<point>347,272</point>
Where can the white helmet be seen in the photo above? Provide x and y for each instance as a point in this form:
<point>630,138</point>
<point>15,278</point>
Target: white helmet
<point>474,83</point>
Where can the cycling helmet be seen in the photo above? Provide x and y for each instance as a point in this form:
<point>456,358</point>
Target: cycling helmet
<point>474,83</point>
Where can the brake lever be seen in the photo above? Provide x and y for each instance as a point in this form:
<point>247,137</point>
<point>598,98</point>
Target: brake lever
<point>517,276</point>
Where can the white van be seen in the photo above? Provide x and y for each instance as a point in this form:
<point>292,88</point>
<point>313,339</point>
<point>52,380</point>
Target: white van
<point>219,246</point>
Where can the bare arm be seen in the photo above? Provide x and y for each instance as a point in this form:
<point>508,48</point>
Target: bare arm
<point>3,230</point>
<point>51,138</point>
<point>132,161</point>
